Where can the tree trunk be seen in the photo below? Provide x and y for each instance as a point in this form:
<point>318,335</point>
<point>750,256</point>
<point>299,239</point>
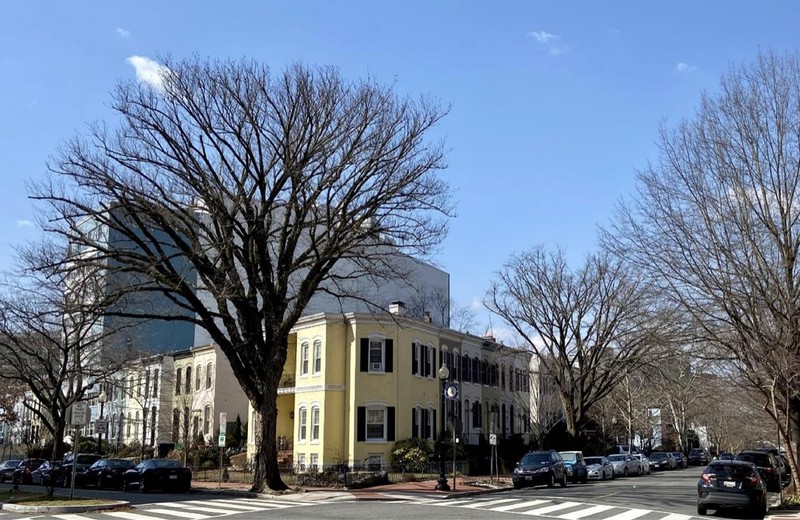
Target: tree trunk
<point>267,474</point>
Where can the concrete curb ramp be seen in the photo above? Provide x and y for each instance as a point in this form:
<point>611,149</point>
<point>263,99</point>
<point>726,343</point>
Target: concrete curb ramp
<point>22,508</point>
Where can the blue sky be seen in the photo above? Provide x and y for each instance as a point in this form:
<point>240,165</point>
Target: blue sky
<point>554,104</point>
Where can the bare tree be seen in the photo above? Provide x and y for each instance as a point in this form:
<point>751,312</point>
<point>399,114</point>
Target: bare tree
<point>51,341</point>
<point>437,300</point>
<point>716,223</point>
<point>587,327</point>
<point>238,194</point>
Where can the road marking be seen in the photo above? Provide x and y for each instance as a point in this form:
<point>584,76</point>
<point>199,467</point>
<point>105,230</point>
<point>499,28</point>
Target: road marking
<point>475,505</point>
<point>554,507</point>
<point>181,513</point>
<point>630,514</point>
<point>195,508</point>
<point>128,516</point>
<point>71,517</point>
<point>270,503</point>
<point>453,502</point>
<point>233,504</point>
<point>576,515</point>
<point>676,516</point>
<point>520,505</point>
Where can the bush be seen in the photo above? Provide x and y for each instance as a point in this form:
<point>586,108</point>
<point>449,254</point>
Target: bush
<point>411,455</point>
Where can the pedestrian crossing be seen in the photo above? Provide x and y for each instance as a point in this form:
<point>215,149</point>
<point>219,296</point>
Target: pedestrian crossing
<point>560,509</point>
<point>188,510</point>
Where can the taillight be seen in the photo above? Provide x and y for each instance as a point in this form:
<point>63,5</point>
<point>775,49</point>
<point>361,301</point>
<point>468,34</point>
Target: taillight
<point>752,481</point>
<point>706,477</point>
<point>769,470</point>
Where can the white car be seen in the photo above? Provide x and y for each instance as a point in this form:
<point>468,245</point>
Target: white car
<point>599,468</point>
<point>625,465</point>
<point>644,462</point>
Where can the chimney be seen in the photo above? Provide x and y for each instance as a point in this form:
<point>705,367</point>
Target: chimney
<point>398,308</point>
<point>426,317</point>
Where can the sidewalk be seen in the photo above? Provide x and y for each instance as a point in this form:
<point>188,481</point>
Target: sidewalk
<point>395,491</point>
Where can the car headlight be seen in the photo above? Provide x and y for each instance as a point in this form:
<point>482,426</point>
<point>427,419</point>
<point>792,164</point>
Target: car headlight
<point>516,470</point>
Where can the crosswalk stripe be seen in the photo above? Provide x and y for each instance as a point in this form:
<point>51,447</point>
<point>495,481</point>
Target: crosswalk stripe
<point>550,509</point>
<point>630,514</point>
<point>128,516</point>
<point>449,503</point>
<point>181,513</point>
<point>527,503</point>
<point>576,515</point>
<point>71,517</point>
<point>269,503</point>
<point>195,508</point>
<point>228,503</point>
<point>676,516</point>
<point>258,504</point>
<point>490,503</point>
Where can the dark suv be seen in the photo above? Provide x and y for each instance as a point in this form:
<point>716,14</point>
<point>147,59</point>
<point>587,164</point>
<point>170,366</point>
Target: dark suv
<point>699,457</point>
<point>784,468</point>
<point>540,467</point>
<point>768,466</point>
<point>84,460</point>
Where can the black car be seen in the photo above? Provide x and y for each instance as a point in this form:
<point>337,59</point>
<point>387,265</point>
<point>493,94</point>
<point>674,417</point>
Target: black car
<point>660,460</point>
<point>732,483</point>
<point>22,475</point>
<point>104,474</point>
<point>540,467</point>
<point>82,462</point>
<point>7,468</point>
<point>725,455</point>
<point>767,466</point>
<point>680,459</point>
<point>163,474</point>
<point>699,457</point>
<point>43,475</point>
<point>784,468</point>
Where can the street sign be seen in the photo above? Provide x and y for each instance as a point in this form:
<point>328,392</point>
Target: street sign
<point>223,423</point>
<point>492,439</point>
<point>221,441</point>
<point>101,425</point>
<point>80,414</point>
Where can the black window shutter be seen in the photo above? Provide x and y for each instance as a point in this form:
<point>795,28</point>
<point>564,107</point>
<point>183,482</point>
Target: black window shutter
<point>414,359</point>
<point>414,425</point>
<point>389,355</point>
<point>365,354</point>
<point>390,424</point>
<point>361,426</point>
<point>427,361</point>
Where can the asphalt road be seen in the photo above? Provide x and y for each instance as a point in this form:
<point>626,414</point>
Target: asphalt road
<point>662,496</point>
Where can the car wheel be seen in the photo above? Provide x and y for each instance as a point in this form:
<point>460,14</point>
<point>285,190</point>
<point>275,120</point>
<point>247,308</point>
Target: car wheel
<point>701,510</point>
<point>564,480</point>
<point>625,472</point>
<point>142,487</point>
<point>585,478</point>
<point>517,485</point>
<point>552,482</point>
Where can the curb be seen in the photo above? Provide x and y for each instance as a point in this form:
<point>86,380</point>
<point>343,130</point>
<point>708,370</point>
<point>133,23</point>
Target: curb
<point>22,508</point>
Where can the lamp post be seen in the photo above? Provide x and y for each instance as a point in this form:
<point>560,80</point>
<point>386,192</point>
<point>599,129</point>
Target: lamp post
<point>441,484</point>
<point>102,398</point>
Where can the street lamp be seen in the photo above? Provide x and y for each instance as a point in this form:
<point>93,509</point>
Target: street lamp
<point>102,398</point>
<point>441,484</point>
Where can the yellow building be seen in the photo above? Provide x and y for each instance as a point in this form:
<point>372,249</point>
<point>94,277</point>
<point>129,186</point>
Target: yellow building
<point>356,383</point>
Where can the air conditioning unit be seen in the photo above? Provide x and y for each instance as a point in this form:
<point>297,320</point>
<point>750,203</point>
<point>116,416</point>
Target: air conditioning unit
<point>377,367</point>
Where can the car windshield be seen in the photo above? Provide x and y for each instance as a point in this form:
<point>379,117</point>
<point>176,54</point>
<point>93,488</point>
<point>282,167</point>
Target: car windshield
<point>759,459</point>
<point>120,463</point>
<point>729,471</point>
<point>617,458</point>
<point>165,463</point>
<point>658,456</point>
<point>87,459</point>
<point>591,461</point>
<point>535,458</point>
<point>569,457</point>
<point>11,464</point>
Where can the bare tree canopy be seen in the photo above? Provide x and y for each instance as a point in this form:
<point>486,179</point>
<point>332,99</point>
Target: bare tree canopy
<point>717,223</point>
<point>586,327</point>
<point>241,193</point>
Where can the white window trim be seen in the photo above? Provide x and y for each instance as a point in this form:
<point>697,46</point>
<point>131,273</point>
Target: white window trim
<point>370,369</point>
<point>304,359</point>
<point>385,410</point>
<point>302,425</point>
<point>316,343</point>
<point>319,424</point>
<point>430,352</point>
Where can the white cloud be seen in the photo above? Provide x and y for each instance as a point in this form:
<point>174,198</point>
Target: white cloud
<point>148,71</point>
<point>682,68</point>
<point>476,304</point>
<point>24,223</point>
<point>543,36</point>
<point>124,33</point>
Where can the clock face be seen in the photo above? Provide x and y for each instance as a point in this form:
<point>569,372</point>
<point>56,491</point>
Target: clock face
<point>451,391</point>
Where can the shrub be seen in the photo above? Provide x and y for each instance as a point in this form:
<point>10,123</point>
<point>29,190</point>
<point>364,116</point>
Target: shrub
<point>411,455</point>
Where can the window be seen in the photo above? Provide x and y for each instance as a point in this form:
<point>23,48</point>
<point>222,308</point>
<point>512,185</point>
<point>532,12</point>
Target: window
<point>155,383</point>
<point>466,415</point>
<point>301,461</point>
<point>317,358</point>
<point>127,425</point>
<point>314,462</point>
<point>136,426</point>
<point>476,415</point>
<point>429,364</point>
<point>178,382</point>
<point>197,378</point>
<point>195,426</point>
<point>375,424</point>
<point>374,462</point>
<point>465,367</point>
<point>375,355</point>
<point>209,374</point>
<point>415,359</point>
<point>456,360</point>
<point>176,424</point>
<point>301,432</point>
<point>153,415</point>
<point>430,424</point>
<point>207,420</point>
<point>304,359</point>
<point>146,383</point>
<point>188,384</point>
<point>476,363</point>
<point>315,423</point>
<point>131,386</point>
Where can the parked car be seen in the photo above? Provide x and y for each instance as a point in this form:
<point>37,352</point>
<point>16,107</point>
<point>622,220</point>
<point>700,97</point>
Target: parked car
<point>104,474</point>
<point>22,474</point>
<point>624,465</point>
<point>725,455</point>
<point>540,467</point>
<point>599,468</point>
<point>680,459</point>
<point>698,457</point>
<point>576,467</point>
<point>785,469</point>
<point>644,462</point>
<point>661,460</point>
<point>45,472</point>
<point>82,462</point>
<point>732,483</point>
<point>162,474</point>
<point>7,468</point>
<point>767,466</point>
